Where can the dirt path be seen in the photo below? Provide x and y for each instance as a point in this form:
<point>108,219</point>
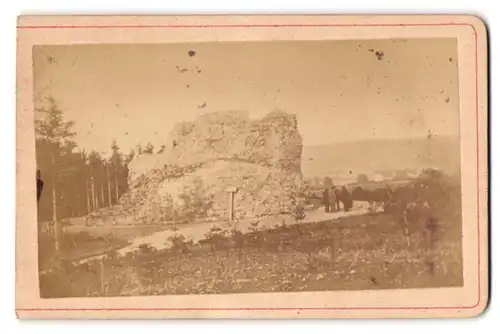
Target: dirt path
<point>159,240</point>
<point>196,232</point>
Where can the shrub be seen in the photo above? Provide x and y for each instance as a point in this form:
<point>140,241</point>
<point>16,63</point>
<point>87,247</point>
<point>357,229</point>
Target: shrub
<point>180,243</point>
<point>299,213</point>
<point>254,226</point>
<point>360,194</point>
<point>217,237</point>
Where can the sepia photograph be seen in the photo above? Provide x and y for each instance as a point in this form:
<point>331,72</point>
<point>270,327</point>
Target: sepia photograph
<point>247,167</point>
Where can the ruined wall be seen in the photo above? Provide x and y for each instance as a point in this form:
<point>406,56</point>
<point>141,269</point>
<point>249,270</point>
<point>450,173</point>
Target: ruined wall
<point>202,158</point>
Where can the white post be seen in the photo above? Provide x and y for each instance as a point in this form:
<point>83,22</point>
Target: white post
<point>231,204</point>
<point>231,191</point>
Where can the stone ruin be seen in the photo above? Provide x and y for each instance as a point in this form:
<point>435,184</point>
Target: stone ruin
<point>188,181</point>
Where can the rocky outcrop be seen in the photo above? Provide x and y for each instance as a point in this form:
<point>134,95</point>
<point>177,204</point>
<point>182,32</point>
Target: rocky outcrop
<point>189,179</point>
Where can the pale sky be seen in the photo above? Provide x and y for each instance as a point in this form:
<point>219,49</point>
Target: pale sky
<point>339,90</point>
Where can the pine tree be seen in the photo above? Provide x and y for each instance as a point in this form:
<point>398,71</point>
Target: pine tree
<point>54,134</point>
<point>117,161</point>
<point>86,176</point>
<point>94,170</point>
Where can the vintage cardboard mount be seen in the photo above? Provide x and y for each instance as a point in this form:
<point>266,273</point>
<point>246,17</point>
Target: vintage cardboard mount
<point>257,214</point>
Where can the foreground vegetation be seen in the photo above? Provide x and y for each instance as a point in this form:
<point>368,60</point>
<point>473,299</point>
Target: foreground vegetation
<point>363,252</point>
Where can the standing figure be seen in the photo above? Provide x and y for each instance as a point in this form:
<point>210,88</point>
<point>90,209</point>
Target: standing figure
<point>338,198</point>
<point>326,200</point>
<point>332,196</point>
<point>39,185</point>
<point>346,199</point>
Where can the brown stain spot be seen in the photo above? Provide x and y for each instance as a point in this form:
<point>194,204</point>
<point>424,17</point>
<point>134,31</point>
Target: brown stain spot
<point>373,280</point>
<point>187,86</point>
<point>191,53</point>
<point>181,70</point>
<point>450,60</point>
<point>117,105</point>
<point>199,71</point>
<point>371,50</point>
<point>429,134</point>
<point>447,100</point>
<point>51,60</point>
<point>379,55</point>
<point>202,105</point>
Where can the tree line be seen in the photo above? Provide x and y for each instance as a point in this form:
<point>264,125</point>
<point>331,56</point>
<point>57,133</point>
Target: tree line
<point>76,182</point>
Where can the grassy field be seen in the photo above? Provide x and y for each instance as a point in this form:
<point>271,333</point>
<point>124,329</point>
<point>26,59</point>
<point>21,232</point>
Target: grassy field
<point>355,253</point>
<point>79,241</point>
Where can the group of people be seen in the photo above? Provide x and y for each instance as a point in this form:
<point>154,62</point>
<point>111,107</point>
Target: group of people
<point>333,196</point>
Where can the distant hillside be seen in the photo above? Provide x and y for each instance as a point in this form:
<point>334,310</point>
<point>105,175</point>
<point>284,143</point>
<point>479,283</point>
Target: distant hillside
<point>381,155</point>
